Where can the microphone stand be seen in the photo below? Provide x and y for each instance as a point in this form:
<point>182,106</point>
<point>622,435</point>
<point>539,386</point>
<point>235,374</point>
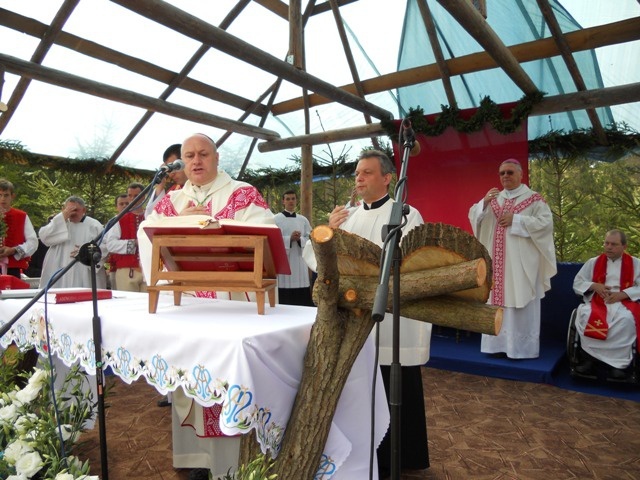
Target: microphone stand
<point>391,234</point>
<point>90,254</point>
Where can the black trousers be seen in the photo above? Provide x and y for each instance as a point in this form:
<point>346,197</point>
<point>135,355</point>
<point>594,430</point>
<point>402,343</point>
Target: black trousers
<point>414,449</point>
<point>295,296</point>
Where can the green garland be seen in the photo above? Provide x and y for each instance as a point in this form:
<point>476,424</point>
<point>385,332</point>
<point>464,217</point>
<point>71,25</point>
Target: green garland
<point>487,112</point>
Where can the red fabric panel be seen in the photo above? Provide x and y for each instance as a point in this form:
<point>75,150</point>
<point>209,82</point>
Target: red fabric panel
<point>455,170</point>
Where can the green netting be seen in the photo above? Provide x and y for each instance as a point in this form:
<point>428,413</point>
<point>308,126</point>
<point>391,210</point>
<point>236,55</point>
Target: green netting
<point>515,22</point>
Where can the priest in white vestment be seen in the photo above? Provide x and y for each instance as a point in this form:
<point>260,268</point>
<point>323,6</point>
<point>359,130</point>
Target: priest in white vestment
<point>64,235</point>
<point>516,227</point>
<point>213,193</point>
<point>373,175</point>
<point>608,320</point>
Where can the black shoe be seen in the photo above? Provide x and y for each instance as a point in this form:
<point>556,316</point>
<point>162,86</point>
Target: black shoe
<point>164,402</point>
<point>498,355</point>
<point>199,474</point>
<point>585,367</point>
<point>618,373</point>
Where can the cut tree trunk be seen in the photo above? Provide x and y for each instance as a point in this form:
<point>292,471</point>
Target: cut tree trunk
<point>336,339</point>
<point>339,332</point>
<point>359,291</point>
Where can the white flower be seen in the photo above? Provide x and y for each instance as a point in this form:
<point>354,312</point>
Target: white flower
<point>89,477</point>
<point>16,477</point>
<point>67,432</point>
<point>28,393</point>
<point>12,395</point>
<point>29,464</point>
<point>64,476</point>
<point>8,414</point>
<point>15,451</point>
<point>23,423</point>
<point>39,378</point>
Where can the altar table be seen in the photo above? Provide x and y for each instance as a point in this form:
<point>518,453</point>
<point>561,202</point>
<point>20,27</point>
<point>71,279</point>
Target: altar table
<point>218,352</point>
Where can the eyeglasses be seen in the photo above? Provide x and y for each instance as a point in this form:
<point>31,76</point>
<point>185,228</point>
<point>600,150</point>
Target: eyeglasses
<point>506,172</point>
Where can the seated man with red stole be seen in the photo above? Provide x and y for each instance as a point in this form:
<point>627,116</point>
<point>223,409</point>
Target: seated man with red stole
<point>609,319</point>
<point>18,239</point>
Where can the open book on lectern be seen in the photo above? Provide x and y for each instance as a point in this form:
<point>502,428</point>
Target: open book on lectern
<point>194,256</point>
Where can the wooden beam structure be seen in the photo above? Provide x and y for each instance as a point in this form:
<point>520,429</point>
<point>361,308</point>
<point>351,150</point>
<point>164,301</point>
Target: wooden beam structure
<point>580,40</point>
<point>445,76</point>
<point>194,27</point>
<point>292,68</point>
<point>558,103</point>
<point>133,64</point>
<point>79,84</point>
<point>177,81</point>
<point>474,23</point>
<point>48,39</point>
<point>571,64</point>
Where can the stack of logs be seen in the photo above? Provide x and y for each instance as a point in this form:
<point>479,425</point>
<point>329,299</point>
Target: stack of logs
<point>445,280</point>
<point>445,276</point>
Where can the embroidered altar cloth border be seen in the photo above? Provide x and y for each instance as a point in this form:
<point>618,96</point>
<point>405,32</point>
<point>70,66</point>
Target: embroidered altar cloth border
<point>218,351</point>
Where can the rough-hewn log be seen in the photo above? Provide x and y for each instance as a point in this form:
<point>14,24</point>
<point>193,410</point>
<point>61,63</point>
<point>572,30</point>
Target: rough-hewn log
<point>448,311</point>
<point>336,340</point>
<point>359,291</point>
<point>356,255</point>
<point>438,244</point>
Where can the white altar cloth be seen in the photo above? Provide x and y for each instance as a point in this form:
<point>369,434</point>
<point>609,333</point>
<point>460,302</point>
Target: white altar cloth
<point>219,352</point>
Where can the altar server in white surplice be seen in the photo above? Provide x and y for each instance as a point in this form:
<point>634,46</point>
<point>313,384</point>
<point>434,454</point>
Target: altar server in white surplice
<point>64,235</point>
<point>208,191</point>
<point>294,289</point>
<point>608,320</point>
<point>373,175</point>
<point>516,227</point>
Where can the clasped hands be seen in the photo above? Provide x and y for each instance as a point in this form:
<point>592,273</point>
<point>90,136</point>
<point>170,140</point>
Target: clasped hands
<point>606,293</point>
<point>195,210</point>
<point>506,219</point>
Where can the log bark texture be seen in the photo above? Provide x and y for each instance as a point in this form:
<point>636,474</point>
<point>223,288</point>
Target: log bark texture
<point>434,245</point>
<point>339,333</point>
<point>336,340</point>
<point>359,291</point>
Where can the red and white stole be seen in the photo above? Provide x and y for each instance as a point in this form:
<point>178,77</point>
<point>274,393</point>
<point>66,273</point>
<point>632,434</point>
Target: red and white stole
<point>597,325</point>
<point>499,241</point>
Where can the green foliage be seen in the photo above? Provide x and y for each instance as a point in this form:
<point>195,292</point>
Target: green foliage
<point>487,112</point>
<point>257,469</point>
<point>43,183</point>
<point>29,423</point>
<point>587,197</point>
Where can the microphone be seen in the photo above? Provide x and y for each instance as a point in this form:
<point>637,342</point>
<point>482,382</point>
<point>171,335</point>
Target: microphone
<point>408,134</point>
<point>174,166</point>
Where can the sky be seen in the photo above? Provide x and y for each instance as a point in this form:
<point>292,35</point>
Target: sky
<point>57,121</point>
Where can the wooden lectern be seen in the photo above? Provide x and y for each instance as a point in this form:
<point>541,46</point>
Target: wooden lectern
<point>232,258</point>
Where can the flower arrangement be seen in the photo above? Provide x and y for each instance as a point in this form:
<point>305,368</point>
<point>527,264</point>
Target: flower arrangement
<point>30,430</point>
<point>257,469</point>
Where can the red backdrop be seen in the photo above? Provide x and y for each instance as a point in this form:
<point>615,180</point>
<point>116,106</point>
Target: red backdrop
<point>455,170</point>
